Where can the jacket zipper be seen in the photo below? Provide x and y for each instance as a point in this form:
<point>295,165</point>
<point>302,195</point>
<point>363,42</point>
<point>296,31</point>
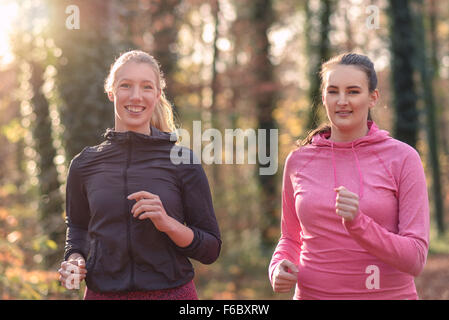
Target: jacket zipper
<point>127,212</point>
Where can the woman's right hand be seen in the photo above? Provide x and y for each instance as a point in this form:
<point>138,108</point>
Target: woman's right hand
<point>285,276</point>
<point>72,271</point>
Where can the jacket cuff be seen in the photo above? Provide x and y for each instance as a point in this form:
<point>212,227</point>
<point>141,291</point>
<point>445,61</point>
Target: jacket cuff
<point>71,251</point>
<point>204,247</point>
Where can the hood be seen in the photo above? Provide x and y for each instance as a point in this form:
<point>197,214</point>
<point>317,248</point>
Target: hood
<point>374,135</point>
<point>156,136</point>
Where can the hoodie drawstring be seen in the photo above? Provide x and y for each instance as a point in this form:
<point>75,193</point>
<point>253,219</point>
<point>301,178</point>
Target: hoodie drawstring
<point>360,172</point>
<point>334,167</point>
<point>358,169</point>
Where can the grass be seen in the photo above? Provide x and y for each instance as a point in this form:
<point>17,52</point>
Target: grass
<point>438,244</point>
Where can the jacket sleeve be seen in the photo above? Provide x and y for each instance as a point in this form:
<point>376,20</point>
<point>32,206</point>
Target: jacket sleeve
<point>289,245</point>
<point>77,213</point>
<point>406,250</point>
<point>199,214</point>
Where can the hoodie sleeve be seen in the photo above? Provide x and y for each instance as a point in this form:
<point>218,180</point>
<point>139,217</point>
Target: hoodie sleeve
<point>289,245</point>
<point>406,250</point>
<point>199,214</point>
<point>77,213</point>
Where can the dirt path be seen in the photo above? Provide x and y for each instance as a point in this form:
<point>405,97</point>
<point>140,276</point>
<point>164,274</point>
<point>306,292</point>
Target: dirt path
<point>433,283</point>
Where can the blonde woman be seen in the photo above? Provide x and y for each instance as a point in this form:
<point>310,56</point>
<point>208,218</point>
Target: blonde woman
<point>133,217</point>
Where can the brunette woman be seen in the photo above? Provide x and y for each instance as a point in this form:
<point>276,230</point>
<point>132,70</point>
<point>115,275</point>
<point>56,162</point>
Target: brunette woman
<point>355,214</point>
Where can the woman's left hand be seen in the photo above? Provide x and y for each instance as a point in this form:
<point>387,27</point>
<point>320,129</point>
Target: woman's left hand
<point>149,206</point>
<point>347,203</point>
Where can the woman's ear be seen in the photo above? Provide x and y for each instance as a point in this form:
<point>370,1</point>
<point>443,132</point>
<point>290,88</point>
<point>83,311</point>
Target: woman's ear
<point>374,97</point>
<point>111,96</point>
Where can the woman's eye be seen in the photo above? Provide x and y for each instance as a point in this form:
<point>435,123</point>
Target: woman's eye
<point>148,87</point>
<point>124,85</point>
<point>353,92</point>
<point>332,91</point>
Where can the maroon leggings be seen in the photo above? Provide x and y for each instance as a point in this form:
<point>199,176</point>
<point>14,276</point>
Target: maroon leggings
<point>184,292</point>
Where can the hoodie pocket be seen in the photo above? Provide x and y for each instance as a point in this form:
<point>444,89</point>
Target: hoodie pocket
<point>93,256</point>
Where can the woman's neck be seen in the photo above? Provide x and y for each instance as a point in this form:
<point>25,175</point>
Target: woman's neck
<point>338,135</point>
<point>145,130</point>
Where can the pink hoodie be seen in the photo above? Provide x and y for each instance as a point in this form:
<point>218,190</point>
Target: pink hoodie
<point>378,254</point>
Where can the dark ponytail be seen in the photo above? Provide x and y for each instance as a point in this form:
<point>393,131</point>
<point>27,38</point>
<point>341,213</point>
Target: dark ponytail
<point>324,127</point>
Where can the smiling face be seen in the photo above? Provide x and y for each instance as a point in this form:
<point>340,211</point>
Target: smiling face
<point>135,94</point>
<point>347,99</point>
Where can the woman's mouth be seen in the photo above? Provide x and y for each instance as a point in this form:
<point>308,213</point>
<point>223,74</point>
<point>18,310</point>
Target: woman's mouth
<point>343,113</point>
<point>135,109</point>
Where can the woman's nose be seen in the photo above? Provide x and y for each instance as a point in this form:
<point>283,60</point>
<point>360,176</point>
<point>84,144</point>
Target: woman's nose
<point>342,100</point>
<point>136,94</point>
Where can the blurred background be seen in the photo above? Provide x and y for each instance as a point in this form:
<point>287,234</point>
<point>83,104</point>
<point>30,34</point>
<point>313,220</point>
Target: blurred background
<point>231,64</point>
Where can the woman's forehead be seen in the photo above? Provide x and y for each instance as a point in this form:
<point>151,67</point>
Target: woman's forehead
<point>345,76</point>
<point>137,72</point>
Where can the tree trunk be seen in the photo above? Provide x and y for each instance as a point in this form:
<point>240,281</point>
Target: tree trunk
<point>427,78</point>
<point>214,82</point>
<point>317,53</point>
<point>87,54</point>
<point>50,201</point>
<point>264,94</point>
<point>403,49</point>
<point>164,27</point>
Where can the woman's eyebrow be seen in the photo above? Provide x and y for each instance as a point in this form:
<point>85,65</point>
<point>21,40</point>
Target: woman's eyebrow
<point>349,87</point>
<point>145,80</point>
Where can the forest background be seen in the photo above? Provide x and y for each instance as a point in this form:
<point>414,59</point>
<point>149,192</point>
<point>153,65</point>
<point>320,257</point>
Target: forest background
<point>229,64</point>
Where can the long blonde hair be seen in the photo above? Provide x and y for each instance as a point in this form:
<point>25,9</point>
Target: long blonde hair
<point>162,118</point>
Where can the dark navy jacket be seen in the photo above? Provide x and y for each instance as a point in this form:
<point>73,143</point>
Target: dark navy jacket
<point>124,253</point>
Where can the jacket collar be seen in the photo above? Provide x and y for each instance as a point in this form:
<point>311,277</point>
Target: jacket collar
<point>156,136</point>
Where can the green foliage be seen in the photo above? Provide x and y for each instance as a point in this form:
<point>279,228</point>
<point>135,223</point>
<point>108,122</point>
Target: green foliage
<point>23,247</point>
<point>439,243</point>
<point>13,131</point>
